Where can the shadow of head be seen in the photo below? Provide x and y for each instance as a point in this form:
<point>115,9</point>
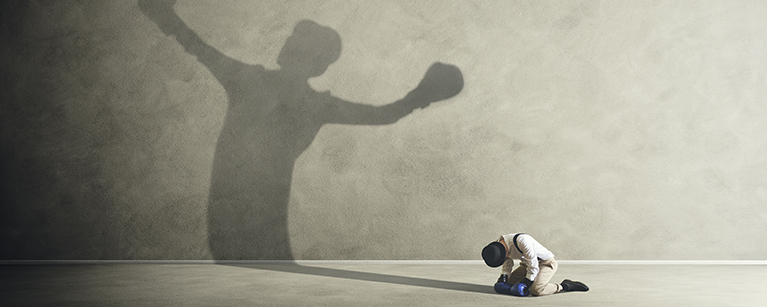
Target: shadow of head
<point>309,50</point>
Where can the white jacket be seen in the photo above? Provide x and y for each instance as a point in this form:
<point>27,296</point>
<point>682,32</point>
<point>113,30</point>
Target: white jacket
<point>532,251</point>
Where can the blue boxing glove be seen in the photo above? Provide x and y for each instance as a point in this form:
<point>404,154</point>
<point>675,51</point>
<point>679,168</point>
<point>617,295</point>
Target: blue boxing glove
<point>527,282</point>
<point>502,286</point>
<point>519,289</point>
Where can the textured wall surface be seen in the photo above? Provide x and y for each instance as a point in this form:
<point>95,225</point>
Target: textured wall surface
<point>606,129</point>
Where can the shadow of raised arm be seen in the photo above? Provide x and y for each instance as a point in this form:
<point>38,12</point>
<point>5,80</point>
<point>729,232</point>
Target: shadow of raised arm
<point>161,13</point>
<point>441,82</point>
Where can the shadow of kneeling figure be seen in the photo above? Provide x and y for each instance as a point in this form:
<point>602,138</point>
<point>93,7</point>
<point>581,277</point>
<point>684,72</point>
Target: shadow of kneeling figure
<point>271,118</point>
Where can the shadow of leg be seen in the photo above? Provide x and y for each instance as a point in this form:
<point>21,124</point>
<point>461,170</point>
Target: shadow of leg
<point>373,277</point>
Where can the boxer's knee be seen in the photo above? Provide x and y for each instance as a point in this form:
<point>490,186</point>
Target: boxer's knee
<point>538,290</point>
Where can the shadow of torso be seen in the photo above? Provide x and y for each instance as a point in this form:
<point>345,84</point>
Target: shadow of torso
<point>272,118</point>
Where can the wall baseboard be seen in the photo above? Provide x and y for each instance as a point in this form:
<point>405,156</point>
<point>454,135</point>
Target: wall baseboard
<point>373,262</point>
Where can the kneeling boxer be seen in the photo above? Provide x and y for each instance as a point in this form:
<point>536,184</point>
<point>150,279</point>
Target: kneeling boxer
<point>536,267</point>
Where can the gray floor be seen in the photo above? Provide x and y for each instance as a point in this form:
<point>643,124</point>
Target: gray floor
<point>370,285</point>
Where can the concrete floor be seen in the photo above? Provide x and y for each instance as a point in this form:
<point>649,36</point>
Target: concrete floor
<point>388,284</point>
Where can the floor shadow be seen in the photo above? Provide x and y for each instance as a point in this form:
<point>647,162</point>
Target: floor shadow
<point>372,277</point>
<point>272,117</point>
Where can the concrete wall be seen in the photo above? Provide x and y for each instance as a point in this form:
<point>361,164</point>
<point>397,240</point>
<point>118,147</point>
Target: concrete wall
<point>607,129</point>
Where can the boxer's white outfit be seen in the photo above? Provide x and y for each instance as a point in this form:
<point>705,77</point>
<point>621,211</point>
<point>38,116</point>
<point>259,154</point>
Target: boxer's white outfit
<point>537,263</point>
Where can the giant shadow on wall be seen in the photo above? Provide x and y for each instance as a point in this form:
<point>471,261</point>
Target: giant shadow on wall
<point>272,117</point>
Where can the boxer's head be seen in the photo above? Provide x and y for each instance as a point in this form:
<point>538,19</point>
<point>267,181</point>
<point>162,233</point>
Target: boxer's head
<point>494,254</point>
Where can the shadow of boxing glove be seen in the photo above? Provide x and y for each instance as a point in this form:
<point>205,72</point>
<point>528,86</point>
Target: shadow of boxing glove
<point>441,81</point>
